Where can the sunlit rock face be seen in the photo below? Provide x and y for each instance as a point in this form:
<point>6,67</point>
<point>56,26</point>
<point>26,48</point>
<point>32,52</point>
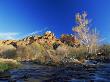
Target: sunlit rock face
<point>70,40</point>
<point>48,38</point>
<point>7,42</point>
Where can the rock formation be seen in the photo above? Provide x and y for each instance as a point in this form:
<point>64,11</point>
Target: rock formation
<point>48,38</point>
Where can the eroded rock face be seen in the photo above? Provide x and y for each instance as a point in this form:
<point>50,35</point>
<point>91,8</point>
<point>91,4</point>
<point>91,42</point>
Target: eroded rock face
<point>6,42</point>
<point>48,38</point>
<point>70,40</point>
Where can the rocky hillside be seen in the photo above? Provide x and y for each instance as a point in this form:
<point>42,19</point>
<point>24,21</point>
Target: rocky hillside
<point>48,38</point>
<point>44,48</point>
<point>46,45</point>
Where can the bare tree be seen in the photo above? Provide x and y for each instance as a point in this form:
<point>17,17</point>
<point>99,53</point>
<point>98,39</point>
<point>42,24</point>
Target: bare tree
<point>87,37</point>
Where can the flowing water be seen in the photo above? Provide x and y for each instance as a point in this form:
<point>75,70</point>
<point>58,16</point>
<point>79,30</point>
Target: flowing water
<point>77,73</point>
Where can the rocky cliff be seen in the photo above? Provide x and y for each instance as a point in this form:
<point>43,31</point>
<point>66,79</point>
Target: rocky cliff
<point>48,38</point>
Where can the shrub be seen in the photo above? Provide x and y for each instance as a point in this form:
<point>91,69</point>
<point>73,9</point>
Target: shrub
<point>26,53</point>
<point>62,53</point>
<point>7,51</point>
<point>7,64</point>
<point>71,54</point>
<point>33,51</point>
<point>104,50</point>
<point>4,66</point>
<point>78,53</point>
<point>55,45</point>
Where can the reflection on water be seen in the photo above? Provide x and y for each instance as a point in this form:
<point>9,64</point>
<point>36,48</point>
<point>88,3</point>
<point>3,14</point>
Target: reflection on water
<point>39,73</point>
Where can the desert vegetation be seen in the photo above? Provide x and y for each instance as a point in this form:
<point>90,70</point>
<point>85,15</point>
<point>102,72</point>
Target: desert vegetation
<point>47,49</point>
<point>7,64</point>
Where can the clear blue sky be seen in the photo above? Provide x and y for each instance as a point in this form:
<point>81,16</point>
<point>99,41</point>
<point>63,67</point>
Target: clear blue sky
<point>20,17</point>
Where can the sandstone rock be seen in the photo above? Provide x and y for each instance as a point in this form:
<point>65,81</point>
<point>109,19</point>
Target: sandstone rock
<point>48,38</point>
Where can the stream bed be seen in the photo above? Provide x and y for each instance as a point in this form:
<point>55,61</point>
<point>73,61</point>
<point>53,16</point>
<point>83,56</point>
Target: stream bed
<point>39,73</point>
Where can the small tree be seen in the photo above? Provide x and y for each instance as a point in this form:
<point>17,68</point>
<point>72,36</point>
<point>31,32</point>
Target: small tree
<point>87,37</point>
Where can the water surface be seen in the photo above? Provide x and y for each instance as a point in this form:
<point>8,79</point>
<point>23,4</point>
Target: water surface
<point>40,73</point>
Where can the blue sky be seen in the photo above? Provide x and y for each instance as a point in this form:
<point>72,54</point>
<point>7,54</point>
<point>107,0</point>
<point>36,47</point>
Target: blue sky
<point>22,17</point>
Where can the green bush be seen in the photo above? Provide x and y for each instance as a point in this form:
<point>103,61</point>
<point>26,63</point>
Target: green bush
<point>7,64</point>
<point>4,67</point>
<point>55,45</point>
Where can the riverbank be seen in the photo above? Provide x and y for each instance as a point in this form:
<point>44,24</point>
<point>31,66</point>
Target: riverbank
<point>30,72</point>
<point>8,64</point>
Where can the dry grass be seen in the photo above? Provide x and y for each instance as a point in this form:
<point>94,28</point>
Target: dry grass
<point>46,54</point>
<point>8,61</point>
<point>7,51</point>
<point>6,64</point>
<point>34,51</point>
<point>43,53</point>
